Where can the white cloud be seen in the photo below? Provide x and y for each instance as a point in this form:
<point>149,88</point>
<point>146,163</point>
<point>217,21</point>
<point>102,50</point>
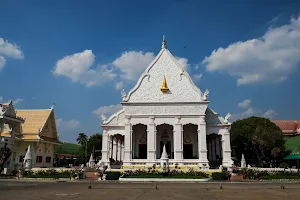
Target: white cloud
<point>10,50</point>
<point>2,62</point>
<point>269,59</point>
<point>248,113</point>
<point>18,100</point>
<point>245,104</point>
<point>73,123</point>
<point>196,77</point>
<point>197,66</point>
<point>59,122</point>
<point>119,85</point>
<point>184,63</point>
<point>253,112</point>
<point>1,99</point>
<point>130,65</point>
<point>270,114</point>
<point>77,67</point>
<point>107,110</point>
<point>62,124</point>
<point>133,63</point>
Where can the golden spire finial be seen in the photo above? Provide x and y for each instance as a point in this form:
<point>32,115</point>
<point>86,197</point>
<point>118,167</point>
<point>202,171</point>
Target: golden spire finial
<point>164,86</point>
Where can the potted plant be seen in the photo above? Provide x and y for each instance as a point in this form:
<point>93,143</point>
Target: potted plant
<point>245,173</point>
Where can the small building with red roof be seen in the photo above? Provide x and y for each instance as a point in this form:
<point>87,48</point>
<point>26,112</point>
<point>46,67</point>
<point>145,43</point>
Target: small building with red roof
<point>288,127</point>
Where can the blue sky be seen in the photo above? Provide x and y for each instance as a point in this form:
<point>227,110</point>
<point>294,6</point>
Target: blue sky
<point>80,54</point>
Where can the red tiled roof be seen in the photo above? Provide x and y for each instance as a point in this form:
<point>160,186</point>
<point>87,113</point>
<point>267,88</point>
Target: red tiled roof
<point>288,127</point>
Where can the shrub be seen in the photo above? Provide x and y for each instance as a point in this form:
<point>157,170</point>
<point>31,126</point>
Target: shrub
<point>141,173</point>
<point>235,169</point>
<point>219,176</point>
<point>279,175</point>
<point>113,175</point>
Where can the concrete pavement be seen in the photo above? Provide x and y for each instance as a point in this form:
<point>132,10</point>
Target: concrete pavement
<point>42,190</point>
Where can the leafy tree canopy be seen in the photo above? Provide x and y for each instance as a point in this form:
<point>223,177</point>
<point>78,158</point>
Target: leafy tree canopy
<point>88,145</point>
<point>259,139</point>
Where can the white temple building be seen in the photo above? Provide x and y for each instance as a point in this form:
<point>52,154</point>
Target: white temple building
<point>166,108</point>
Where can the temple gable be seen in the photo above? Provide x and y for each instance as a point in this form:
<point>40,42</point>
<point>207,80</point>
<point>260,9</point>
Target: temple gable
<point>165,69</point>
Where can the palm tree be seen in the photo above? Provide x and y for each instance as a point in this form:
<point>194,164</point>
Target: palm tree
<point>82,138</point>
<point>82,141</point>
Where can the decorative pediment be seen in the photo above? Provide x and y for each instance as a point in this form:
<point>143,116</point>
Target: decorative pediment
<point>212,118</point>
<point>116,119</point>
<point>179,86</point>
<point>7,110</point>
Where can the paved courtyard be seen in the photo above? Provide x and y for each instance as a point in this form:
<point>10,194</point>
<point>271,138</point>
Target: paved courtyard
<point>46,190</point>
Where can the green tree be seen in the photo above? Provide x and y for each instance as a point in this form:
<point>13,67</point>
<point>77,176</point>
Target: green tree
<point>259,139</point>
<point>82,141</point>
<point>95,145</point>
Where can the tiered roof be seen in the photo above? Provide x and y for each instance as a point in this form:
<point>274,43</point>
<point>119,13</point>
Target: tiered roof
<point>288,127</point>
<point>36,125</point>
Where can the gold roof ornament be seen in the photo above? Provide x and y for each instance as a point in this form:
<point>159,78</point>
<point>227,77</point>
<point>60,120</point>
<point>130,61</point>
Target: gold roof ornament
<point>164,87</point>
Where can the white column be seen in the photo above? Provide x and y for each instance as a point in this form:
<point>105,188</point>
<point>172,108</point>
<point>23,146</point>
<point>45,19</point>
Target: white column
<point>119,150</point>
<point>115,148</point>
<point>226,148</point>
<point>151,141</point>
<point>213,149</point>
<point>178,140</point>
<point>218,147</point>
<point>123,151</point>
<point>105,147</point>
<point>127,142</point>
<point>202,143</point>
<point>110,147</point>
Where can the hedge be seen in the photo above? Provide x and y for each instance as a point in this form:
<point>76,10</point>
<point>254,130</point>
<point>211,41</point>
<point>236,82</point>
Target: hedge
<point>113,175</point>
<point>219,176</point>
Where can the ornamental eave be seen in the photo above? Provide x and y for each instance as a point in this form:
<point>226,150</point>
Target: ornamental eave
<point>114,115</point>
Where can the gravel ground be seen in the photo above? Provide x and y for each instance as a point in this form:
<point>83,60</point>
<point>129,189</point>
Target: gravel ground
<point>51,190</point>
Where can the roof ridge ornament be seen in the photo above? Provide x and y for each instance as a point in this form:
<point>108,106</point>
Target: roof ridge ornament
<point>205,95</point>
<point>164,87</point>
<point>226,118</point>
<point>164,43</point>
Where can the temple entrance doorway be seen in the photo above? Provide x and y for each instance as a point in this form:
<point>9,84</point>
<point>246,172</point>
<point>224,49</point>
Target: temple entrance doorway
<point>188,151</point>
<point>143,151</point>
<point>139,141</point>
<point>165,137</point>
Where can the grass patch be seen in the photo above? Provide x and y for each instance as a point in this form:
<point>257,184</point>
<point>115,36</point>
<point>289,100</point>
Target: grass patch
<point>68,148</point>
